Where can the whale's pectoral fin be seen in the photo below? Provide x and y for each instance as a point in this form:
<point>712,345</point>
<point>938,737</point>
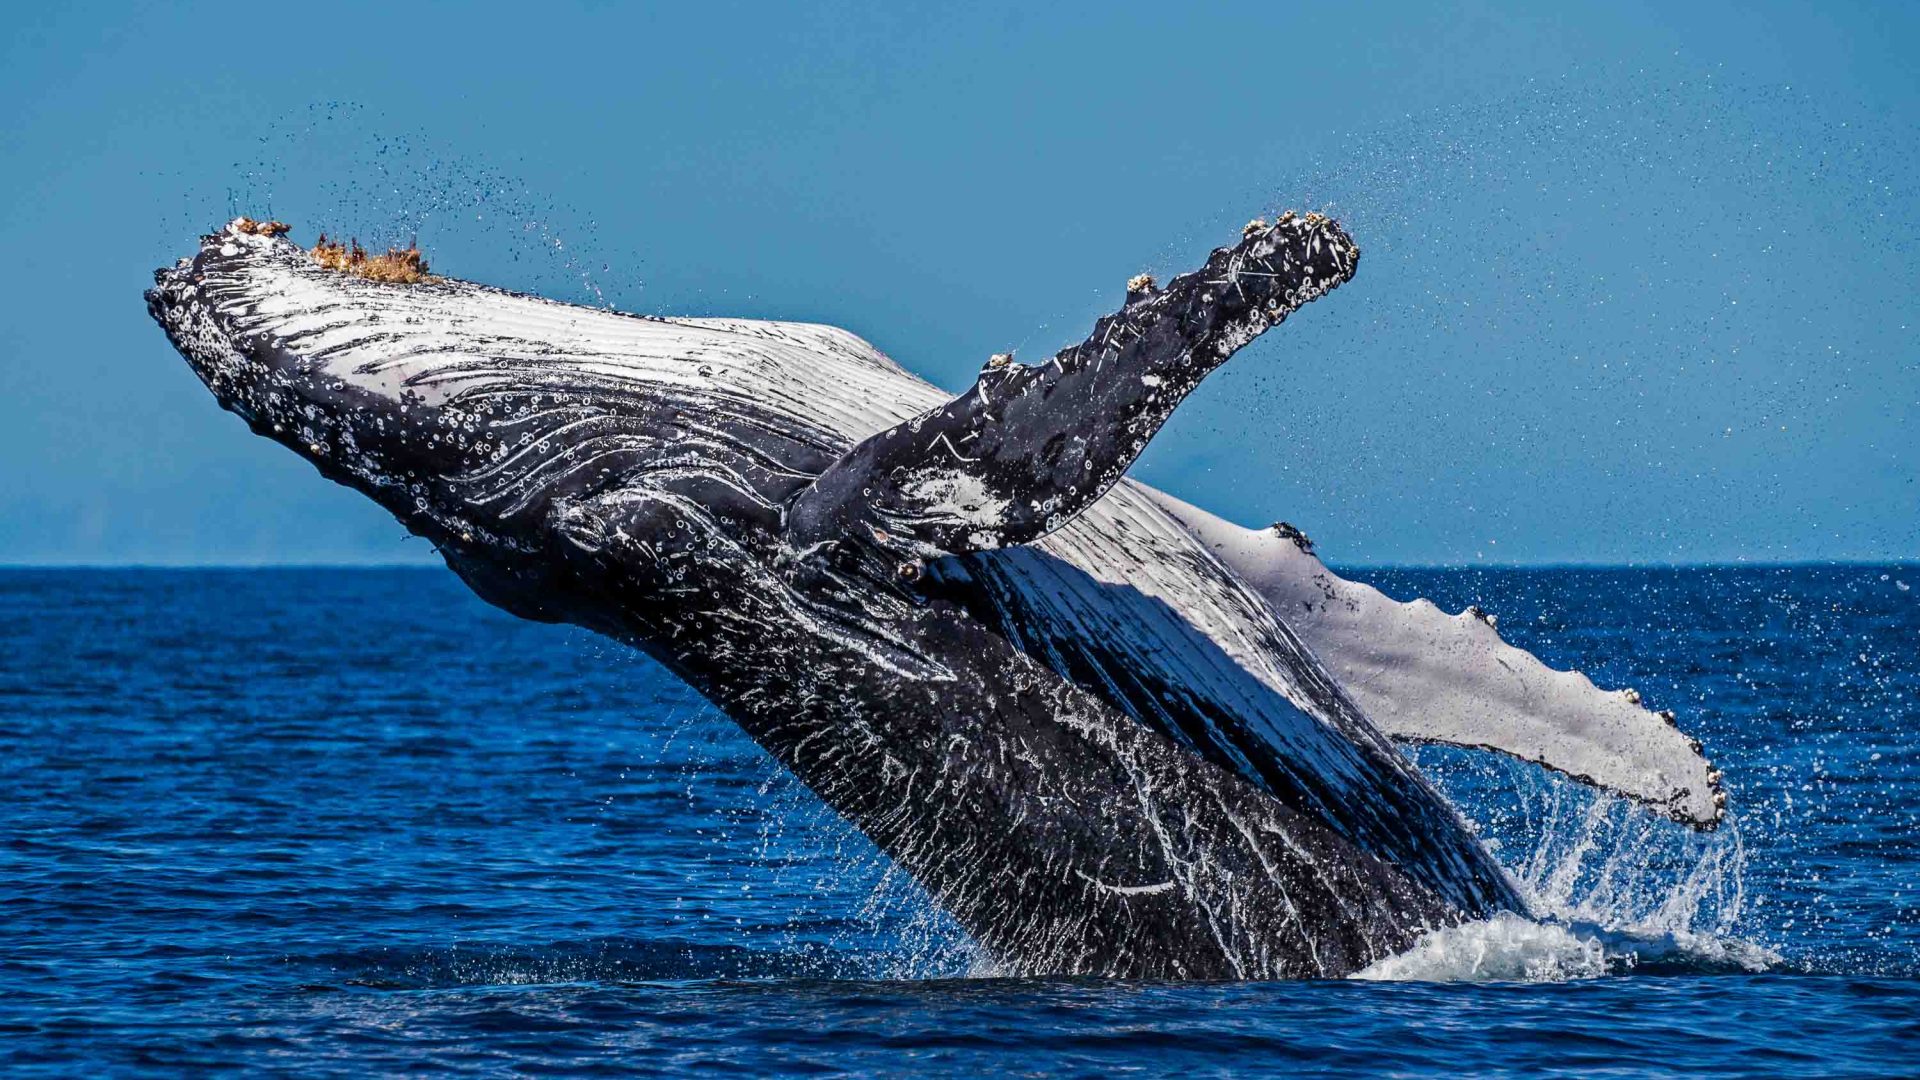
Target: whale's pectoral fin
<point>1027,448</point>
<point>1423,675</point>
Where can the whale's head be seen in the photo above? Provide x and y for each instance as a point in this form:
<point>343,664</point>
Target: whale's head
<point>484,419</point>
<point>289,343</point>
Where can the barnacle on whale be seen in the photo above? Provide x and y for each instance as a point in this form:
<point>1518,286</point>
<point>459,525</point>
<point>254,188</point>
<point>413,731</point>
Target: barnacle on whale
<point>1286,530</point>
<point>262,228</point>
<point>399,266</point>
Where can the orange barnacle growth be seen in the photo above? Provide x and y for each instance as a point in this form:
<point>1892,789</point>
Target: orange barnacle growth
<point>262,228</point>
<point>399,266</point>
<point>333,256</point>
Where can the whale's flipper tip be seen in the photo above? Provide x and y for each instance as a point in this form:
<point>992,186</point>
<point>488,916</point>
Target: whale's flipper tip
<point>1030,447</point>
<point>1422,675</point>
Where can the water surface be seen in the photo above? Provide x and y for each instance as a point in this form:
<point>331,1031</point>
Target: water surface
<point>352,821</point>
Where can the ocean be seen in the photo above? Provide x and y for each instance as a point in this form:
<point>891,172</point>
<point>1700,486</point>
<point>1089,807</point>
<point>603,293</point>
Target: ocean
<point>354,821</point>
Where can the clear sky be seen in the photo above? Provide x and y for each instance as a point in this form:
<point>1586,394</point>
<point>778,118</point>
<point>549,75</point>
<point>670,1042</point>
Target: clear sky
<point>1639,282</point>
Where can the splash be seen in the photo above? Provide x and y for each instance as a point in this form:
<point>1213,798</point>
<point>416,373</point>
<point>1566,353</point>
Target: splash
<point>1512,948</point>
<point>1613,890</point>
<point>1505,948</point>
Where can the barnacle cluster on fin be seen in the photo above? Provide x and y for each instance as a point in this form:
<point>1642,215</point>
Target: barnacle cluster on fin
<point>399,266</point>
<point>1286,530</point>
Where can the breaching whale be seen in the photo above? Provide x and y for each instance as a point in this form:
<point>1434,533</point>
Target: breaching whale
<point>1110,733</point>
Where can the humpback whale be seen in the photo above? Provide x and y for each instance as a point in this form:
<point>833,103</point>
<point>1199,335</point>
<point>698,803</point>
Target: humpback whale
<point>1108,732</point>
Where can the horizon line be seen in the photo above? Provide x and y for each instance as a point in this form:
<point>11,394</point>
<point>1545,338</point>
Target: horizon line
<point>1742,564</point>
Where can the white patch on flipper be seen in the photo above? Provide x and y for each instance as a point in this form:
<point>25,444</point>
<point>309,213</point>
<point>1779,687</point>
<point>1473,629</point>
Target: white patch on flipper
<point>954,498</point>
<point>1419,673</point>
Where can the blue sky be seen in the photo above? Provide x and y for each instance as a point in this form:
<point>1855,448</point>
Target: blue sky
<point>1639,282</point>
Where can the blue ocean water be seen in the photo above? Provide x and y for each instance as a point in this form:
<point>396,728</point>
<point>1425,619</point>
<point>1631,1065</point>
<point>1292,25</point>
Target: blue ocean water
<point>345,822</point>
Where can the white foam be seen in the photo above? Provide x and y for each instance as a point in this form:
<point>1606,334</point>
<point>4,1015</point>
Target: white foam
<point>1612,890</point>
<point>1505,948</point>
<point>1511,948</point>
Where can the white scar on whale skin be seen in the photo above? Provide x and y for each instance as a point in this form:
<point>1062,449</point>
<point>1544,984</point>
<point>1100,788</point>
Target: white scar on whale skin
<point>1424,675</point>
<point>1223,637</point>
